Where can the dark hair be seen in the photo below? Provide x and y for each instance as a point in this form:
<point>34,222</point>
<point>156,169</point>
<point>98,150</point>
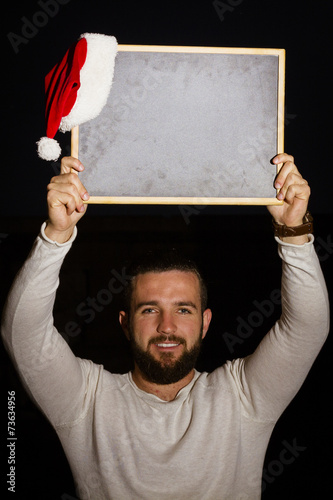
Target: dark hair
<point>157,261</point>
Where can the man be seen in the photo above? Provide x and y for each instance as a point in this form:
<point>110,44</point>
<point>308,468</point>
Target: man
<point>165,431</point>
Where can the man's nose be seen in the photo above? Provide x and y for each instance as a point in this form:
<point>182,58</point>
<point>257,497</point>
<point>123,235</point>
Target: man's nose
<point>166,324</point>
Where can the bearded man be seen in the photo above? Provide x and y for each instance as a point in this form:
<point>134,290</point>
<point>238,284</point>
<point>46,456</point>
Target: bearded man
<point>165,431</point>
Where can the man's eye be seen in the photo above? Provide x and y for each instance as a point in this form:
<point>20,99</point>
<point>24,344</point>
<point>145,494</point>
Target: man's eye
<point>183,310</point>
<point>148,310</point>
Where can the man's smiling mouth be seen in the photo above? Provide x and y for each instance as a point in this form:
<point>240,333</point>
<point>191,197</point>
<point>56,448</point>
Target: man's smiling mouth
<point>167,345</point>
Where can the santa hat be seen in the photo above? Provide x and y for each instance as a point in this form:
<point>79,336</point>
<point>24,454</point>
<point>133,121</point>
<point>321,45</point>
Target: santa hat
<point>77,88</point>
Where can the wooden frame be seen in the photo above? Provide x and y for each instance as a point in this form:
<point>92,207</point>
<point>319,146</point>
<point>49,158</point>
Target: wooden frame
<point>277,56</point>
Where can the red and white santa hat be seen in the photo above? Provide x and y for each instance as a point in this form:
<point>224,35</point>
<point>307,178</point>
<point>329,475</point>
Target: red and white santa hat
<point>77,88</point>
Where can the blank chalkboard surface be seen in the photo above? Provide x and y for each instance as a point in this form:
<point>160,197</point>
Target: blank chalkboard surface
<point>188,125</point>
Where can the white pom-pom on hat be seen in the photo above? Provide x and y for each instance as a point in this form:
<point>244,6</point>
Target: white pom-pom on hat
<point>48,149</point>
<point>77,88</point>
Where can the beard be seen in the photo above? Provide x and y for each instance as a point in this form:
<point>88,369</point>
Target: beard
<point>166,370</point>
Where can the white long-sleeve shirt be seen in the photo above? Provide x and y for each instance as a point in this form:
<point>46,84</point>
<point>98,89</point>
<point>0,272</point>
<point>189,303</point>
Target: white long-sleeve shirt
<point>122,443</point>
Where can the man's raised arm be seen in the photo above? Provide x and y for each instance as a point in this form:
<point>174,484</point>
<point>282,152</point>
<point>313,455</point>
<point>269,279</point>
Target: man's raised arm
<point>53,376</point>
<point>272,375</point>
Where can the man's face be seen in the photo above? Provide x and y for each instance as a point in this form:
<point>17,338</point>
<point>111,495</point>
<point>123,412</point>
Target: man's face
<point>166,325</point>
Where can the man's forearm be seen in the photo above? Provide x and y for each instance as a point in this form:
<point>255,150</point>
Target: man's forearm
<point>278,367</point>
<point>30,301</point>
<point>43,358</point>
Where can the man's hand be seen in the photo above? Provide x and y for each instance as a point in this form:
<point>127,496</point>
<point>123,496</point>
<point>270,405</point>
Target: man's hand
<point>295,192</point>
<point>65,198</point>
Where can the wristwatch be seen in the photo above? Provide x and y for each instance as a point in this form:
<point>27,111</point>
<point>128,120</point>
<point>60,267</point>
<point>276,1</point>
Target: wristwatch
<point>285,231</point>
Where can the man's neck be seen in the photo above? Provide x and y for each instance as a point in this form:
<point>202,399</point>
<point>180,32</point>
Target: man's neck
<point>165,392</point>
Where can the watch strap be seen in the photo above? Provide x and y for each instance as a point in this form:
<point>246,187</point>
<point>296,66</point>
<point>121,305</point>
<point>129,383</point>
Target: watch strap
<point>286,231</point>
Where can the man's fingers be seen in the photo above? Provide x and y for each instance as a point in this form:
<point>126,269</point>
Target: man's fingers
<point>68,163</point>
<point>282,175</point>
<point>287,168</point>
<point>67,189</point>
<point>297,191</point>
<point>292,179</point>
<point>282,158</point>
<point>292,189</point>
<point>65,198</point>
<point>71,182</point>
<point>289,176</point>
<point>60,196</point>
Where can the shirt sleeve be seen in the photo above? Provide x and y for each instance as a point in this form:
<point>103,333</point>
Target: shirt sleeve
<point>269,378</point>
<point>55,379</point>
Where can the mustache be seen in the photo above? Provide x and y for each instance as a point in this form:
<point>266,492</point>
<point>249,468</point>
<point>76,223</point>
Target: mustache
<point>164,338</point>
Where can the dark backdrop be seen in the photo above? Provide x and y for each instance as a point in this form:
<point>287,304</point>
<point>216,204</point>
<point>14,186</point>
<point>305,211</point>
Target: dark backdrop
<point>234,245</point>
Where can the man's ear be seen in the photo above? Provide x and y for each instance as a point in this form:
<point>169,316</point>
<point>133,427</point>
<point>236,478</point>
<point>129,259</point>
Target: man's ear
<point>123,320</point>
<point>207,316</point>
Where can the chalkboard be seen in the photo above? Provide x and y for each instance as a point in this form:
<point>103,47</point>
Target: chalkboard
<point>186,125</point>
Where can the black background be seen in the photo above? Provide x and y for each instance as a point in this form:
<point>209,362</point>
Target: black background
<point>234,245</point>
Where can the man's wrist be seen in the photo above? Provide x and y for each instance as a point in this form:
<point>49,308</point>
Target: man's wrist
<point>58,236</point>
<point>295,240</point>
<point>297,234</point>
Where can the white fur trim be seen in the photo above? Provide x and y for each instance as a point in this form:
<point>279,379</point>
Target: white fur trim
<point>48,149</point>
<point>96,79</point>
